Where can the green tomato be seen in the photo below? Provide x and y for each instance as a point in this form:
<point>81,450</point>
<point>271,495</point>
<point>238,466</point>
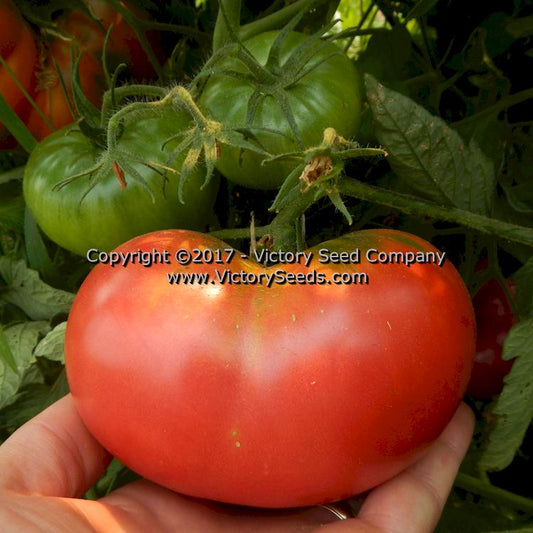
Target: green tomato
<point>327,95</point>
<point>120,206</point>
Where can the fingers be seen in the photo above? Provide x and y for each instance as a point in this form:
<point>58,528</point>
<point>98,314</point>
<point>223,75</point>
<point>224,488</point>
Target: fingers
<point>413,500</point>
<point>53,454</point>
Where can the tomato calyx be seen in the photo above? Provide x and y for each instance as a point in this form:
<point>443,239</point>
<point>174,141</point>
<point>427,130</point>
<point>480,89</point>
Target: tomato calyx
<point>201,143</point>
<point>316,173</point>
<point>276,75</point>
<point>204,137</point>
<point>119,161</point>
<point>318,168</point>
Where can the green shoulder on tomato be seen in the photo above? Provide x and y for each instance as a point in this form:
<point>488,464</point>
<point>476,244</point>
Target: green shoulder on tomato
<point>326,95</point>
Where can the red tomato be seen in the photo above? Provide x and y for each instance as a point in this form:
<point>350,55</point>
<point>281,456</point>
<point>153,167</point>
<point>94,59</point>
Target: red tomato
<point>288,395</point>
<point>19,50</point>
<point>50,95</point>
<point>494,317</point>
<point>123,45</point>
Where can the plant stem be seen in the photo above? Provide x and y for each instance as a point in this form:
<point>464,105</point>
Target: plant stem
<point>499,106</point>
<point>282,228</point>
<point>476,486</point>
<point>222,34</point>
<point>273,21</point>
<point>238,233</point>
<point>13,174</point>
<point>186,101</point>
<point>415,206</point>
<point>129,111</point>
<point>116,95</point>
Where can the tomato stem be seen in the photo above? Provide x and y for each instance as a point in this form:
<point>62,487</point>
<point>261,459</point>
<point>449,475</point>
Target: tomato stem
<point>185,100</point>
<point>412,205</point>
<point>285,229</point>
<point>114,124</point>
<point>279,18</point>
<point>481,488</point>
<point>115,96</point>
<point>228,21</point>
<point>498,107</point>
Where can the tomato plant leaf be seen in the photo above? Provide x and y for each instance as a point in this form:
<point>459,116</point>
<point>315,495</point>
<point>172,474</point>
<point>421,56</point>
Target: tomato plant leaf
<point>36,252</point>
<point>514,407</point>
<point>5,352</point>
<point>116,475</point>
<point>429,155</point>
<point>421,8</point>
<point>28,292</point>
<point>21,340</point>
<point>387,54</point>
<point>11,213</point>
<point>86,109</point>
<point>52,345</point>
<point>30,400</point>
<point>336,200</point>
<point>524,288</point>
<point>15,126</point>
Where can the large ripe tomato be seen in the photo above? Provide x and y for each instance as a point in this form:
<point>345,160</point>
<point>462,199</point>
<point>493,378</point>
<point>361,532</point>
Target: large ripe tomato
<point>116,209</point>
<point>19,51</point>
<point>326,96</point>
<point>494,317</point>
<point>50,94</point>
<point>274,396</point>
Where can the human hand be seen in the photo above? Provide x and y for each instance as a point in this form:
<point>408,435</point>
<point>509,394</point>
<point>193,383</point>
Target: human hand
<point>49,463</point>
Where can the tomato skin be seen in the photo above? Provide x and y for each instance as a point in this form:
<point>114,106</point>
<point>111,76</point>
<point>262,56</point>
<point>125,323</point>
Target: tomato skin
<point>19,50</point>
<point>123,45</point>
<point>275,397</point>
<point>328,96</point>
<point>112,213</point>
<point>494,317</point>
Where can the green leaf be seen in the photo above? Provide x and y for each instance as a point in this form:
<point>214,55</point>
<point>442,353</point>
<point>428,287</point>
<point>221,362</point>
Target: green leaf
<point>21,339</point>
<point>86,109</point>
<point>52,346</point>
<point>421,8</point>
<point>12,122</point>
<point>30,400</point>
<point>116,475</point>
<point>520,27</point>
<point>514,408</point>
<point>430,156</point>
<point>26,290</point>
<point>336,200</point>
<point>524,288</point>
<point>498,38</point>
<point>12,213</point>
<point>36,252</point>
<point>520,197</point>
<point>5,352</point>
<point>387,55</point>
